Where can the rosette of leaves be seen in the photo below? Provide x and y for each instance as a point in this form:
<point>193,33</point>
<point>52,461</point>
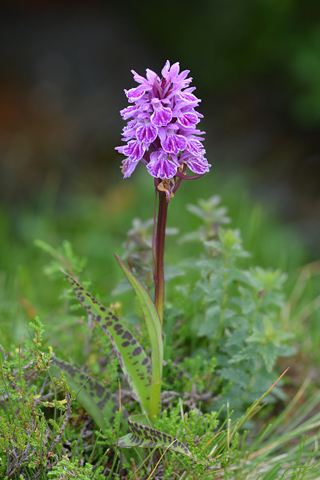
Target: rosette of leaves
<point>144,374</point>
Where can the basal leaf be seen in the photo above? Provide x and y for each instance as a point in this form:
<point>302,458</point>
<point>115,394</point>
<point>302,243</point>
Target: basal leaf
<point>235,376</point>
<point>153,324</point>
<point>132,358</point>
<point>94,397</point>
<point>145,436</point>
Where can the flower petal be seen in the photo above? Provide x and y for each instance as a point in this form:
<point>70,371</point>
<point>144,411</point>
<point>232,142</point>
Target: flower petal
<point>135,93</point>
<point>195,147</point>
<point>146,132</point>
<point>129,112</point>
<point>134,149</point>
<point>174,143</point>
<point>161,115</point>
<point>196,164</point>
<point>188,119</point>
<point>160,166</point>
<point>128,166</point>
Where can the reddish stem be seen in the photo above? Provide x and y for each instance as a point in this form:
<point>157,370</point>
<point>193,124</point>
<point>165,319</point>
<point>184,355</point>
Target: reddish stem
<point>159,253</point>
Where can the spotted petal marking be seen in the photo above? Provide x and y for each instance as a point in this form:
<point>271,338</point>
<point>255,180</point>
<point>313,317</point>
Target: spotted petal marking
<point>133,360</point>
<point>145,436</point>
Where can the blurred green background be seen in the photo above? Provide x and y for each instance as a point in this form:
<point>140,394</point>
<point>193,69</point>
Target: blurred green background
<point>63,68</point>
<point>255,63</point>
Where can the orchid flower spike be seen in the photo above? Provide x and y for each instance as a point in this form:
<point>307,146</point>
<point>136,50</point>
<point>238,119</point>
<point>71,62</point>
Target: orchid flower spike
<point>162,132</point>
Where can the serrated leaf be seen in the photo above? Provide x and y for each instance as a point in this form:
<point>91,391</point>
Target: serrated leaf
<point>145,436</point>
<point>210,325</point>
<point>235,376</point>
<point>243,276</point>
<point>257,337</point>
<point>213,244</point>
<point>215,295</point>
<point>92,396</point>
<point>199,212</point>
<point>244,354</point>
<point>286,351</point>
<point>268,327</point>
<point>269,354</point>
<point>171,272</point>
<point>189,237</point>
<point>132,358</point>
<point>237,337</point>
<point>153,325</point>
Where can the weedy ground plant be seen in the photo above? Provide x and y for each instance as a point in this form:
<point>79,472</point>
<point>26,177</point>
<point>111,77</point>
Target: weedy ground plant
<point>198,361</point>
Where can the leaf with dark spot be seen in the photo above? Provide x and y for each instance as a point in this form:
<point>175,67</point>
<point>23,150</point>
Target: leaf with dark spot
<point>133,360</point>
<point>92,396</point>
<point>143,435</point>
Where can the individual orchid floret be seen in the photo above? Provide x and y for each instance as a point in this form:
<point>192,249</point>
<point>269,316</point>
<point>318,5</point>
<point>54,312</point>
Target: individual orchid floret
<point>162,132</point>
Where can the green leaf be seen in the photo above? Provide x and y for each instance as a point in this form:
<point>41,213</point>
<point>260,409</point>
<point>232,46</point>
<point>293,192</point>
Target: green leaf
<point>63,257</point>
<point>273,473</point>
<point>257,337</point>
<point>210,325</point>
<point>268,327</point>
<point>132,358</point>
<point>269,354</point>
<point>145,436</point>
<point>244,354</point>
<point>235,376</point>
<point>238,336</point>
<point>189,237</point>
<point>94,397</point>
<point>213,244</point>
<point>153,325</point>
<point>171,272</point>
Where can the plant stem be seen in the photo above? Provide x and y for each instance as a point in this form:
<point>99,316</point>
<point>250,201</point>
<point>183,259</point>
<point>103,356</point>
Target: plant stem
<point>223,305</point>
<point>159,253</point>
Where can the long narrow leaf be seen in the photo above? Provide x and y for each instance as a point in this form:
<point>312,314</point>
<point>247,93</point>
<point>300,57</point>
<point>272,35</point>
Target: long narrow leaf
<point>153,325</point>
<point>132,358</point>
<point>92,396</point>
<point>144,436</point>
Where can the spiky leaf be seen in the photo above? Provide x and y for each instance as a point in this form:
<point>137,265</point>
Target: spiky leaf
<point>132,358</point>
<point>145,436</point>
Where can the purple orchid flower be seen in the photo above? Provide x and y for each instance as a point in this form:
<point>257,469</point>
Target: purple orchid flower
<point>162,131</point>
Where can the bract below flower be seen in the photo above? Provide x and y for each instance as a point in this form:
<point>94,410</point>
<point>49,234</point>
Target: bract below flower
<point>162,132</point>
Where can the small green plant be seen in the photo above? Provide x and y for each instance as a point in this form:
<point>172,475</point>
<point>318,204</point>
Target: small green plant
<point>29,440</point>
<point>67,470</point>
<point>234,313</point>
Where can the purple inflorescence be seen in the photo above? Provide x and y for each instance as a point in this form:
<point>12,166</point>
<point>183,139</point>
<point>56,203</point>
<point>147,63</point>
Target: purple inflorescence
<point>162,131</point>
